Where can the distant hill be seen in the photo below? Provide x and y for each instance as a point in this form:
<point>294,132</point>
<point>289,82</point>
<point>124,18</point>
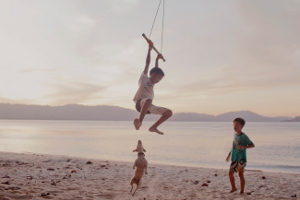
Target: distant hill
<point>229,116</point>
<point>296,119</point>
<point>67,112</point>
<point>113,113</point>
<point>249,116</point>
<point>192,117</point>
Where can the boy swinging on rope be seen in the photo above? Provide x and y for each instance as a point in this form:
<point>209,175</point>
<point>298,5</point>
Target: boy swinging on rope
<point>144,95</point>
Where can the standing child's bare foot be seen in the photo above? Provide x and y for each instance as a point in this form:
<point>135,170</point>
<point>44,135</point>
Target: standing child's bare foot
<point>233,190</point>
<point>153,129</point>
<point>137,124</point>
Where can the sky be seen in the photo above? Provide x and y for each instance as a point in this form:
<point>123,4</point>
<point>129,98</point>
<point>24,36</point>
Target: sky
<point>221,55</point>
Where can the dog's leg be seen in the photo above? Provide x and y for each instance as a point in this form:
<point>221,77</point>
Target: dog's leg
<point>131,183</point>
<point>137,187</point>
<point>131,188</point>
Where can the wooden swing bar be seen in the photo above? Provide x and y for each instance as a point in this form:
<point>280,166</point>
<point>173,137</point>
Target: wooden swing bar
<point>147,39</point>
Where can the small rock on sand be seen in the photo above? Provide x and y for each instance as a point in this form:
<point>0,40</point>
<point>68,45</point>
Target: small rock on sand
<point>89,162</point>
<point>263,177</point>
<point>13,188</point>
<point>6,183</point>
<point>44,194</point>
<point>50,169</point>
<point>294,196</point>
<point>67,176</point>
<point>204,185</point>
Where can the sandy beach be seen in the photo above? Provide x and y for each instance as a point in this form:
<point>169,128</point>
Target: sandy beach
<point>33,176</point>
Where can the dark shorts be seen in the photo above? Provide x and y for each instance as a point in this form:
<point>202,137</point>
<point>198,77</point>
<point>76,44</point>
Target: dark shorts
<point>152,108</point>
<point>138,106</point>
<point>236,166</point>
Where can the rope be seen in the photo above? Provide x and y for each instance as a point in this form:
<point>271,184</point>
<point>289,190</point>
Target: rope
<point>154,18</point>
<point>162,23</point>
<point>162,28</point>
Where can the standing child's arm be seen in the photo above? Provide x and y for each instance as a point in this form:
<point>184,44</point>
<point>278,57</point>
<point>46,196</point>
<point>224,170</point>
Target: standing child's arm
<point>248,144</point>
<point>227,159</point>
<point>135,150</point>
<point>144,150</point>
<point>240,147</point>
<point>159,56</point>
<point>148,59</point>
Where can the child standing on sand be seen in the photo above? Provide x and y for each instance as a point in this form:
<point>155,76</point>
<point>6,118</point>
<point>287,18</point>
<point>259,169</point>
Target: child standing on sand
<point>238,154</point>
<point>139,147</point>
<point>144,96</point>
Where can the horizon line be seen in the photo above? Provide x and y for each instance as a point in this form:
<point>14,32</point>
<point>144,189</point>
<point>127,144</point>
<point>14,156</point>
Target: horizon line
<point>188,112</point>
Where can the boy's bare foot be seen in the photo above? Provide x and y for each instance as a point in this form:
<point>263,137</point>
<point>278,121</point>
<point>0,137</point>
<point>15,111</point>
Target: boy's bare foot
<point>241,192</point>
<point>137,124</point>
<point>153,129</point>
<point>233,190</point>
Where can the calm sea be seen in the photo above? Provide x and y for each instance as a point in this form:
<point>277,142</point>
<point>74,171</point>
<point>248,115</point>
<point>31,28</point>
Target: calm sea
<point>203,144</point>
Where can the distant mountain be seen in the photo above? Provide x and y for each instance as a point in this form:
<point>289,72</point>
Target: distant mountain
<point>192,117</point>
<point>67,112</point>
<point>296,119</point>
<point>114,113</point>
<point>229,116</point>
<point>249,116</point>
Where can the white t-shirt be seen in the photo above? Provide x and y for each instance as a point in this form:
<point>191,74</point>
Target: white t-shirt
<point>145,90</point>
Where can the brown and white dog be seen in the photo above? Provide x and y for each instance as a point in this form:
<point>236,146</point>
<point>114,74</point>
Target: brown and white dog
<point>141,165</point>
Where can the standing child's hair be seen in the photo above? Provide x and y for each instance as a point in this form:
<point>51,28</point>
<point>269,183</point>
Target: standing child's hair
<point>240,120</point>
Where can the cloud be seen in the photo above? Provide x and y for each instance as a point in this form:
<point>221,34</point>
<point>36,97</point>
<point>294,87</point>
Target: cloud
<point>92,51</point>
<point>123,6</point>
<point>75,93</point>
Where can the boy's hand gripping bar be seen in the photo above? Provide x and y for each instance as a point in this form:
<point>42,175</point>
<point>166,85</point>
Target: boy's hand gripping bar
<point>144,36</point>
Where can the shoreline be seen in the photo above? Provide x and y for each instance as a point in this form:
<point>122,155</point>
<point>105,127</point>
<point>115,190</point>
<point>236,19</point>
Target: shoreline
<point>153,162</point>
<point>38,176</point>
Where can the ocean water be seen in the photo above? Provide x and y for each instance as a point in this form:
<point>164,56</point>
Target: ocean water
<point>200,144</point>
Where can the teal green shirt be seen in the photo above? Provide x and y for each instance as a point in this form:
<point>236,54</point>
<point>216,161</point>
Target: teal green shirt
<point>236,154</point>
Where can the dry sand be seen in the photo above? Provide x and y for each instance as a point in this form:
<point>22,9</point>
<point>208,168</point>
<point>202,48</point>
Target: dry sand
<point>32,176</point>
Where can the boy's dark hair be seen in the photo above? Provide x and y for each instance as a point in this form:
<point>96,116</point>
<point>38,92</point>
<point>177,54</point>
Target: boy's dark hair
<point>240,120</point>
<point>157,70</point>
